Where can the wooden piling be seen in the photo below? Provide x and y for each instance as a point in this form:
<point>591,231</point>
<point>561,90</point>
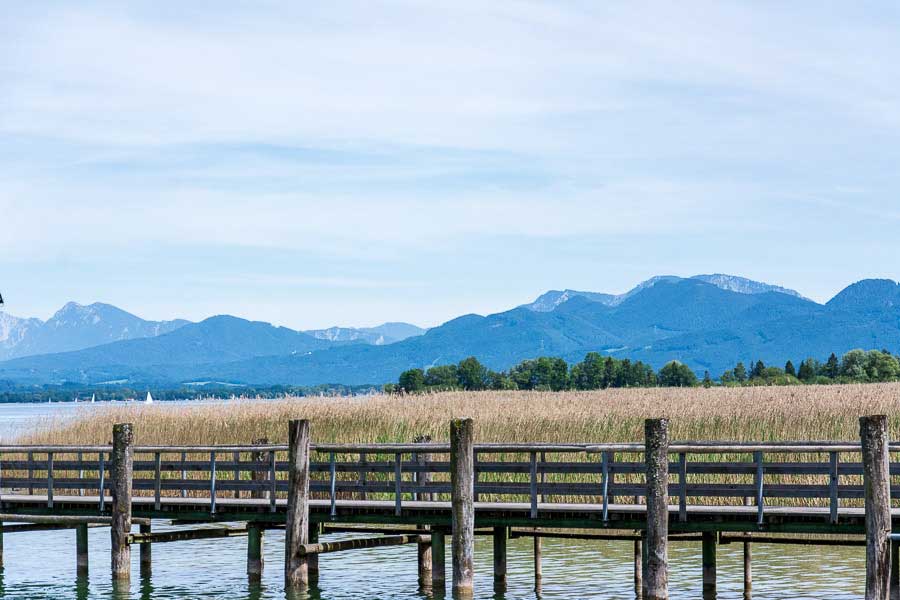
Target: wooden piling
<point>709,564</point>
<point>120,527</point>
<point>423,478</point>
<point>538,567</point>
<point>638,568</point>
<point>146,552</point>
<point>255,560</point>
<point>312,561</point>
<point>656,440</point>
<point>895,571</point>
<point>748,561</point>
<point>874,437</point>
<point>462,478</point>
<point>296,565</point>
<point>81,550</point>
<point>438,554</point>
<point>500,535</point>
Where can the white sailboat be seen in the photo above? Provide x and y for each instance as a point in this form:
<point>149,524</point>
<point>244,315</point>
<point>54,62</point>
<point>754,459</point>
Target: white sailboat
<point>149,399</point>
<point>93,397</point>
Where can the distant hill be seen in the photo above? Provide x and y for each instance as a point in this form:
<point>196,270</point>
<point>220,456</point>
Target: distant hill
<point>387,333</point>
<point>709,322</point>
<point>74,327</point>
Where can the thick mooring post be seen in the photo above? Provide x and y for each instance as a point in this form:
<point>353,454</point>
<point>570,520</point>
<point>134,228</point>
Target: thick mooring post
<point>255,559</point>
<point>423,478</point>
<point>709,563</point>
<point>874,437</point>
<point>656,440</point>
<point>462,483</point>
<point>122,461</point>
<point>81,550</point>
<point>500,535</point>
<point>296,567</point>
<point>146,552</point>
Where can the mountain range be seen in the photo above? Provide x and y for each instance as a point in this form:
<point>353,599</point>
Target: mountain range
<point>708,321</point>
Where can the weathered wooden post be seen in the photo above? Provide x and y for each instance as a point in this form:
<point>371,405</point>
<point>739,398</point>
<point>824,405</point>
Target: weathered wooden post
<point>255,561</point>
<point>438,561</point>
<point>895,571</point>
<point>312,560</point>
<point>146,552</point>
<point>423,478</point>
<point>462,500</point>
<point>81,550</point>
<point>708,540</point>
<point>296,566</point>
<point>874,437</point>
<point>500,536</point>
<point>748,560</point>
<point>656,455</point>
<point>122,464</point>
<point>638,557</point>
<point>255,532</point>
<point>538,568</point>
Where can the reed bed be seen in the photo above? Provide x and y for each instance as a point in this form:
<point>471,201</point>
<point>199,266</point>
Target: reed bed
<point>616,415</point>
<point>802,413</point>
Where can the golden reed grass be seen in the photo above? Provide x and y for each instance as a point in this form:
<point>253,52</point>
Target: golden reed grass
<point>739,414</point>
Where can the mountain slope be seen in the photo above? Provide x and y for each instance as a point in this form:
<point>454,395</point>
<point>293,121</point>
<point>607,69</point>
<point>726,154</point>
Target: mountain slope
<point>386,333</point>
<point>74,327</point>
<point>219,339</point>
<point>549,301</point>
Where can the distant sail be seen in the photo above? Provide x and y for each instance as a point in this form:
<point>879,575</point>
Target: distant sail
<point>149,399</point>
<point>93,397</point>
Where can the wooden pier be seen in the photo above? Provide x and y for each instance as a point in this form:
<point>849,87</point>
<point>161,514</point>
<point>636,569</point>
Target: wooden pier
<point>650,494</point>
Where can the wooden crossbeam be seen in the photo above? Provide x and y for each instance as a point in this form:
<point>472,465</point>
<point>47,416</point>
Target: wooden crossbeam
<point>186,534</point>
<point>358,544</point>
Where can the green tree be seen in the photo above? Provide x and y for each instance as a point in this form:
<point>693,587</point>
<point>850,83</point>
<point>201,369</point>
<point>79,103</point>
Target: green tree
<point>853,365</point>
<point>740,373</point>
<point>759,370</point>
<point>441,377</point>
<point>881,366</point>
<point>832,368</point>
<point>412,381</point>
<point>707,380</point>
<point>789,369</point>
<point>471,374</point>
<point>676,374</point>
<point>588,374</point>
<point>500,381</point>
<point>807,370</point>
<point>542,373</point>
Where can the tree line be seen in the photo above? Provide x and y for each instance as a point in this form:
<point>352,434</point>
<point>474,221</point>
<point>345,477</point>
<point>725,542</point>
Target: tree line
<point>598,372</point>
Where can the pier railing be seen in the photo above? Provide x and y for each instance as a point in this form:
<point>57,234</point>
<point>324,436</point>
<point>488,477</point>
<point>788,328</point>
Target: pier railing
<point>824,474</point>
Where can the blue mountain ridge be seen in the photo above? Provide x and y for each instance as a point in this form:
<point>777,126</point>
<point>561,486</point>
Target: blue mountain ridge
<point>706,325</point>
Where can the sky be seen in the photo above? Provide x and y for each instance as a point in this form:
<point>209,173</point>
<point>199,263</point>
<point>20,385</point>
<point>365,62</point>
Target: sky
<point>343,162</point>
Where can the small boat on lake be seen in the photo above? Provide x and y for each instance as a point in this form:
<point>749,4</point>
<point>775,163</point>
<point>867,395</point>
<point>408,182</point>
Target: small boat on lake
<point>149,399</point>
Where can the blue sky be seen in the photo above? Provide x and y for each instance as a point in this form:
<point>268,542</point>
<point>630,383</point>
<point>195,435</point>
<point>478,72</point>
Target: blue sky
<point>357,162</point>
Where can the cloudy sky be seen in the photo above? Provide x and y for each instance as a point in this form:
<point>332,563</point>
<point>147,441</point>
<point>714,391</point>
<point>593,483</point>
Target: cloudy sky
<point>343,162</point>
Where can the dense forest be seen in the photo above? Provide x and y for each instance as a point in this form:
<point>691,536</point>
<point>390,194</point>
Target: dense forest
<point>597,372</point>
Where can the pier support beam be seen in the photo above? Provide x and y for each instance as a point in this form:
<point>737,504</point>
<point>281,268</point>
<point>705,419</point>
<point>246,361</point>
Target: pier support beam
<point>146,552</point>
<point>709,564</point>
<point>122,464</point>
<point>312,561</point>
<point>423,479</point>
<point>462,500</point>
<point>895,571</point>
<point>874,437</point>
<point>424,563</point>
<point>296,564</point>
<point>538,568</point>
<point>638,568</point>
<point>255,560</point>
<point>81,550</point>
<point>500,535</point>
<point>656,440</point>
<point>438,562</point>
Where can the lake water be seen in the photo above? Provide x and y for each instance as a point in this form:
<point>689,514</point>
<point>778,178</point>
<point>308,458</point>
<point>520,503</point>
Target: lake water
<point>41,565</point>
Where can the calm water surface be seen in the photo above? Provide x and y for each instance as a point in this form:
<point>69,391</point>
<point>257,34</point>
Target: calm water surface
<point>41,565</point>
